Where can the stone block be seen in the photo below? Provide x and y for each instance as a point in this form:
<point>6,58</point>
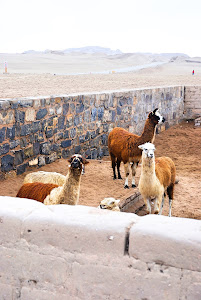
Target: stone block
<point>7,163</point>
<point>58,110</point>
<point>39,137</point>
<point>22,168</point>
<point>73,133</point>
<point>51,158</point>
<point>30,114</point>
<point>4,104</point>
<point>100,113</point>
<point>19,116</point>
<point>78,229</point>
<point>26,102</point>
<point>36,126</point>
<point>28,152</point>
<point>61,122</point>
<point>87,116</point>
<point>65,108</point>
<point>66,153</point>
<point>41,161</point>
<point>175,242</point>
<point>12,212</point>
<point>29,293</point>
<point>66,143</point>
<point>41,113</point>
<point>10,133</point>
<point>76,120</point>
<point>33,267</point>
<point>45,148</point>
<point>36,148</point>
<point>4,149</point>
<point>19,157</point>
<point>79,108</point>
<point>23,142</point>
<point>6,117</point>
<point>26,129</point>
<point>59,136</point>
<point>93,114</point>
<point>14,144</point>
<point>6,291</point>
<point>33,162</point>
<point>77,149</point>
<point>2,134</point>
<point>49,132</point>
<point>81,139</point>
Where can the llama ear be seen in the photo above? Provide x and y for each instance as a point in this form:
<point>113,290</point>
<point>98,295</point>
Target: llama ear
<point>154,111</point>
<point>141,147</point>
<point>85,161</point>
<point>117,201</point>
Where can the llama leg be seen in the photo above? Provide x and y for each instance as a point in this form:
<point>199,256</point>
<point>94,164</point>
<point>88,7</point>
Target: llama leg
<point>126,168</point>
<point>160,212</point>
<point>148,206</point>
<point>113,166</point>
<point>158,201</point>
<point>118,169</point>
<point>170,208</point>
<point>170,191</point>
<point>133,168</point>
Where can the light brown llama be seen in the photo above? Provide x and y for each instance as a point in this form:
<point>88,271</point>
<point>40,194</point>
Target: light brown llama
<point>54,194</point>
<point>157,178</point>
<point>123,145</point>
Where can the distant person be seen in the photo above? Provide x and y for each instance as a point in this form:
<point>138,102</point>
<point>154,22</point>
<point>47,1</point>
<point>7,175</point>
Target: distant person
<point>193,72</point>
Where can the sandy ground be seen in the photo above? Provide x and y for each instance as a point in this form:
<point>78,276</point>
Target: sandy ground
<point>181,143</point>
<point>31,75</point>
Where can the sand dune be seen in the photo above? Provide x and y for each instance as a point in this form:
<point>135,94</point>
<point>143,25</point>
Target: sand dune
<point>41,74</point>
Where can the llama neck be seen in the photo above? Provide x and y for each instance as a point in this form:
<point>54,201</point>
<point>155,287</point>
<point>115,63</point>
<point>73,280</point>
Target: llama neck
<point>148,167</point>
<point>148,134</point>
<point>71,187</point>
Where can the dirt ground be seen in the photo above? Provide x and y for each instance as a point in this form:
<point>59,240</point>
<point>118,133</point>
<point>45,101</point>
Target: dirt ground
<point>181,142</point>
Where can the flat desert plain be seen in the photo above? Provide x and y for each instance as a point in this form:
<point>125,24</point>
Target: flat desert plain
<point>32,75</point>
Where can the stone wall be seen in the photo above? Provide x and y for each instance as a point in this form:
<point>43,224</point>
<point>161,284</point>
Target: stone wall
<point>37,131</point>
<point>64,252</point>
<point>192,102</point>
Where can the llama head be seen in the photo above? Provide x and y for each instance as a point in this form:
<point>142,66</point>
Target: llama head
<point>147,150</point>
<point>109,203</point>
<point>156,117</point>
<point>77,161</point>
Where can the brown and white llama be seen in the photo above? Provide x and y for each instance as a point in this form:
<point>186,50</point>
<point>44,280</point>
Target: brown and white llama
<point>110,203</point>
<point>54,194</point>
<point>157,178</point>
<point>123,145</point>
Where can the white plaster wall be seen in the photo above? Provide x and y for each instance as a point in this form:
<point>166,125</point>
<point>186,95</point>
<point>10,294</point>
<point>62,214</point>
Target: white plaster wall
<point>78,252</point>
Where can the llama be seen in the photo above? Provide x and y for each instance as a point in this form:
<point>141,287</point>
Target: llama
<point>48,177</point>
<point>110,203</point>
<point>45,177</point>
<point>157,178</point>
<point>123,146</point>
<point>66,194</point>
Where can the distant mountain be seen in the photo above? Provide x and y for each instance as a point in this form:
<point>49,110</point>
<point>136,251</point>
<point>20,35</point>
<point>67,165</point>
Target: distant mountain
<point>169,55</point>
<point>31,52</point>
<point>93,49</point>
<point>107,51</point>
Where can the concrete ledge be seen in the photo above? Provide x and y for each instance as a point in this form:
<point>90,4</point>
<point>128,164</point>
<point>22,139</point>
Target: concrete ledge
<point>167,241</point>
<point>79,252</point>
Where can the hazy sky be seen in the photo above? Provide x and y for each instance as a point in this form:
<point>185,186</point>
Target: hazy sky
<point>129,25</point>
